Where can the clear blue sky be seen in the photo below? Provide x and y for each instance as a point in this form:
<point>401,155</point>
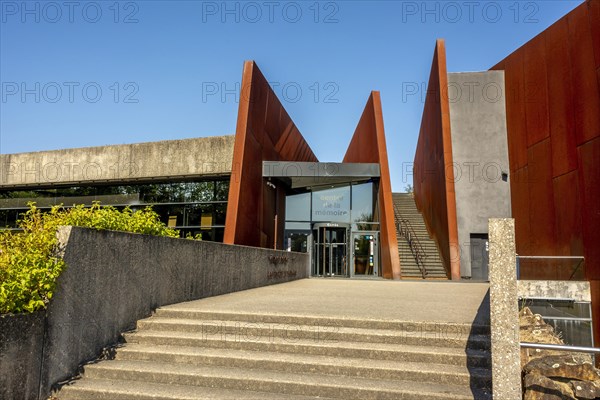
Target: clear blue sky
<point>162,66</point>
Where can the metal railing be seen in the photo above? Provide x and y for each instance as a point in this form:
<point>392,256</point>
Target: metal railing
<point>407,231</point>
<point>559,347</point>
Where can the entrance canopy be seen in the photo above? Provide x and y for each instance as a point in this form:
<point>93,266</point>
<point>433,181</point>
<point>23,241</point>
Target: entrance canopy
<point>306,174</point>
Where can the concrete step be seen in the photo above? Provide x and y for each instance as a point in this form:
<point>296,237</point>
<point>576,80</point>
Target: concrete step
<point>408,269</point>
<point>429,267</point>
<point>423,236</point>
<point>321,334</point>
<point>428,258</point>
<point>375,351</point>
<point>429,248</point>
<point>176,312</point>
<point>417,275</point>
<point>306,364</point>
<point>340,387</point>
<point>115,389</point>
<point>424,240</point>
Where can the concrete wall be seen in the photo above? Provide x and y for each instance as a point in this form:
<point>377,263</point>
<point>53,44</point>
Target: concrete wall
<point>480,154</point>
<point>578,291</point>
<point>21,341</point>
<point>113,279</point>
<point>130,162</point>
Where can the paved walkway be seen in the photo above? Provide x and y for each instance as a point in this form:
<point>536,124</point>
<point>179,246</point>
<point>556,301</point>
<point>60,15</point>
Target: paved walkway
<point>369,299</point>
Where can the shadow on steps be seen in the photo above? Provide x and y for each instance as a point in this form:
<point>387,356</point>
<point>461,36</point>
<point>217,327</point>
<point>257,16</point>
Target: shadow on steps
<point>481,388</point>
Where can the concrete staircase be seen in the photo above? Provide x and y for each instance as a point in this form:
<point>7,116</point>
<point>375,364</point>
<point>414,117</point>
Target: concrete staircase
<point>183,354</point>
<point>405,208</point>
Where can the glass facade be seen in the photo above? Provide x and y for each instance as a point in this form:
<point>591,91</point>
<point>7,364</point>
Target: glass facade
<point>338,226</point>
<point>192,207</point>
<point>353,204</point>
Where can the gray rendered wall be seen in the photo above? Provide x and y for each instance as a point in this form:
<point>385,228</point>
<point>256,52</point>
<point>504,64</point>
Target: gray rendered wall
<point>480,154</point>
<point>129,162</point>
<point>112,280</point>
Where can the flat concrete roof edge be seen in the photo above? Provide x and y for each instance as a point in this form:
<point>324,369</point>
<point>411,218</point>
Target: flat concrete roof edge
<point>207,138</point>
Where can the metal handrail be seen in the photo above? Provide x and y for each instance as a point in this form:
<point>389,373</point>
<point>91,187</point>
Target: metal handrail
<point>560,347</point>
<point>416,248</point>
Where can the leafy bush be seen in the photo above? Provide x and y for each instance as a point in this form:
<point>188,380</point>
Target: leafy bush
<point>29,260</point>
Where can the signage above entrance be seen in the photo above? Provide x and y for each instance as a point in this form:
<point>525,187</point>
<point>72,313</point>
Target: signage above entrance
<point>331,205</point>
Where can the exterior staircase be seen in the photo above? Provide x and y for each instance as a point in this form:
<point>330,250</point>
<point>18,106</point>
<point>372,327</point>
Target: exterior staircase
<point>182,354</point>
<point>405,209</point>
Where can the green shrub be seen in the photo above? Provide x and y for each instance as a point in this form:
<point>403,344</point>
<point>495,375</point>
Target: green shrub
<point>29,262</point>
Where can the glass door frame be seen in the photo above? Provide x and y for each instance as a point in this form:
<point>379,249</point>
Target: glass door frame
<point>376,264</point>
<point>315,257</point>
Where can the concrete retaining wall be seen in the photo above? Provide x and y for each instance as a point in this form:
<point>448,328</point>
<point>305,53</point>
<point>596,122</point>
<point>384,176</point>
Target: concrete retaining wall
<point>21,342</point>
<point>114,279</point>
<point>573,290</point>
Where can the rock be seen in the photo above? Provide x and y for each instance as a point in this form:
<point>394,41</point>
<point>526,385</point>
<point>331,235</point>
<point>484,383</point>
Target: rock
<point>538,387</point>
<point>549,374</point>
<point>585,390</point>
<point>534,329</point>
<point>562,367</point>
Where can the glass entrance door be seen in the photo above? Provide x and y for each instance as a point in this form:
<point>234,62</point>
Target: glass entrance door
<point>330,257</point>
<point>365,260</point>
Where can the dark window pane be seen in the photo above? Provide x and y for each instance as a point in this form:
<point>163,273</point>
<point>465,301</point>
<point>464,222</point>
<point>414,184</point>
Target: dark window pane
<point>218,234</point>
<point>297,207</point>
<point>362,202</point>
<point>220,212</point>
<point>222,190</point>
<point>201,191</point>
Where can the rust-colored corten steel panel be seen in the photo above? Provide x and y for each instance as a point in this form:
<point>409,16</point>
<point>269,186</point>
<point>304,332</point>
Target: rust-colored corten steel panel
<point>368,146</point>
<point>520,209</point>
<point>568,214</point>
<point>560,104</point>
<point>585,78</point>
<point>589,181</point>
<point>557,211</point>
<point>264,131</point>
<point>536,90</point>
<point>594,11</point>
<point>515,106</point>
<point>541,199</point>
<point>434,175</point>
